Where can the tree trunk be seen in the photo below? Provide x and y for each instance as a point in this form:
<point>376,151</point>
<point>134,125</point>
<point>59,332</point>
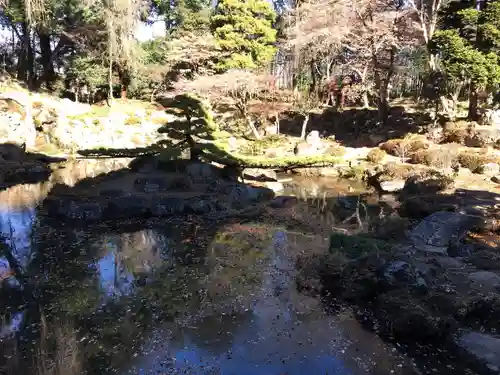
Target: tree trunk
<point>46,58</point>
<point>382,87</point>
<point>304,126</point>
<point>313,90</point>
<point>366,101</point>
<point>473,103</point>
<point>25,66</point>
<point>252,127</point>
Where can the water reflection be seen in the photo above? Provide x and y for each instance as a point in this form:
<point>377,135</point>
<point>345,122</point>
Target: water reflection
<point>16,228</point>
<point>160,301</point>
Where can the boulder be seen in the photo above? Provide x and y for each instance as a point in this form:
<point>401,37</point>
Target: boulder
<point>239,194</point>
<point>490,169</point>
<point>483,347</point>
<point>491,117</point>
<point>392,186</point>
<point>313,137</point>
<point>440,230</point>
<point>312,146</point>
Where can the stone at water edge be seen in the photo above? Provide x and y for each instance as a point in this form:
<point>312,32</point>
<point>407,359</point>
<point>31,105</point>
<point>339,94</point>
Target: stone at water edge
<point>259,174</point>
<point>490,169</point>
<point>440,230</point>
<point>275,186</point>
<point>392,186</point>
<point>485,348</point>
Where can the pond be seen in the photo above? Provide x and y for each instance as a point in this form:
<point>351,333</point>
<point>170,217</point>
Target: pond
<point>167,297</point>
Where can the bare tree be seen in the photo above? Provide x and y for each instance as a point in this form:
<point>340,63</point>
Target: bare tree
<point>239,86</point>
<point>426,12</point>
<point>365,36</point>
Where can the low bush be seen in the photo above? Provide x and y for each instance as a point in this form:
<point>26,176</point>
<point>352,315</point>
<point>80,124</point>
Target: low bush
<point>473,161</point>
<point>376,156</point>
<point>404,147</point>
<point>437,158</point>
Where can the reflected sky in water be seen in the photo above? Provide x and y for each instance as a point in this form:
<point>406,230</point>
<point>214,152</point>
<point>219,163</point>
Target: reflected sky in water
<point>16,227</point>
<point>253,323</point>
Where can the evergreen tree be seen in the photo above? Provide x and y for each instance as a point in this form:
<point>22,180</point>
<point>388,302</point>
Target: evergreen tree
<point>468,48</point>
<point>244,31</point>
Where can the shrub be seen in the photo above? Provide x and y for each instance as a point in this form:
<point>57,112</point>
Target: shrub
<point>133,120</point>
<point>473,161</point>
<point>438,158</point>
<point>376,156</point>
<point>456,135</point>
<point>404,147</point>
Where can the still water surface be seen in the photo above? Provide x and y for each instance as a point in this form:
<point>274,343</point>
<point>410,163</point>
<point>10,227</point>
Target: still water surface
<point>168,298</point>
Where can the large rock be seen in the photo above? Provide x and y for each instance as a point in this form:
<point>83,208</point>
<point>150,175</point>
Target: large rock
<point>490,169</point>
<point>491,117</point>
<point>312,146</point>
<point>483,347</point>
<point>437,232</point>
<point>392,186</point>
<point>14,129</point>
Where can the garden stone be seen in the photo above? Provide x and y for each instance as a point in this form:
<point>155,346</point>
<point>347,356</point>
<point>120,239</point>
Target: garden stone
<point>438,231</point>
<point>484,347</point>
<point>392,186</point>
<point>490,169</point>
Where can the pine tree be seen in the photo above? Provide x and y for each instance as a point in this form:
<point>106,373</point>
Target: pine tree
<point>244,31</point>
<point>468,48</point>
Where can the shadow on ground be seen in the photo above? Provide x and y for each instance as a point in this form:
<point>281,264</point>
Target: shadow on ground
<point>357,127</point>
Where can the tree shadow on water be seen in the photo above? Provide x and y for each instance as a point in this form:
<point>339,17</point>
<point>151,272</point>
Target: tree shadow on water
<point>18,166</point>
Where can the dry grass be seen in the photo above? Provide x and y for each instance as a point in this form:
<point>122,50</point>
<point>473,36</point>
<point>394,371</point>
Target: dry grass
<point>376,156</point>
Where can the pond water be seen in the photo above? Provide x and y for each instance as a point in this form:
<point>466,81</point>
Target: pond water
<point>167,298</point>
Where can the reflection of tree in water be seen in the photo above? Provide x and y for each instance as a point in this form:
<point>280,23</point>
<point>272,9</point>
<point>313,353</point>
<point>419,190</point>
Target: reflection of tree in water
<point>235,261</point>
<point>111,330</point>
<point>214,334</point>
